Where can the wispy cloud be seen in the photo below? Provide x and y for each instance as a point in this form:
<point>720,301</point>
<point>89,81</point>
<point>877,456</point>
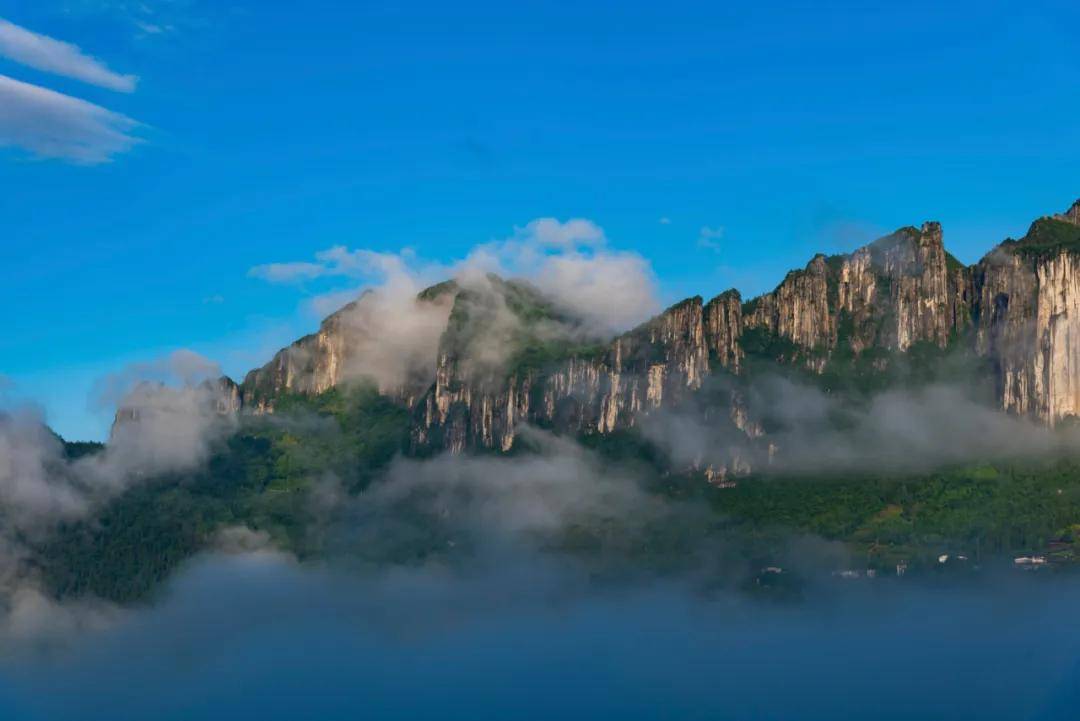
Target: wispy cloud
<point>337,261</point>
<point>567,260</point>
<point>551,233</point>
<point>289,272</point>
<point>53,125</point>
<point>147,17</point>
<point>146,28</point>
<point>55,56</point>
<point>710,237</point>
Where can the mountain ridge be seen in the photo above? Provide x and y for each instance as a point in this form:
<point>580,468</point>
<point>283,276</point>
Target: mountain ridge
<point>1018,307</point>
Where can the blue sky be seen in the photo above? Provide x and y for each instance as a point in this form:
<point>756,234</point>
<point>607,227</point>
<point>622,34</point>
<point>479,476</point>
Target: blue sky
<point>258,132</point>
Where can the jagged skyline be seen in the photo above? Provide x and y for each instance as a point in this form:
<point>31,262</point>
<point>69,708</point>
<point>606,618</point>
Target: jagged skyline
<point>1015,308</point>
<point>721,145</point>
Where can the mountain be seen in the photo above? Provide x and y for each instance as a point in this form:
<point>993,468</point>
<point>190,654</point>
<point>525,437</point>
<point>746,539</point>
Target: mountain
<point>833,407</point>
<point>505,355</point>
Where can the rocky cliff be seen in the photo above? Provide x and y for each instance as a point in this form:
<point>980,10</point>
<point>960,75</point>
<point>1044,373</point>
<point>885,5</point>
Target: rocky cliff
<point>1026,302</point>
<point>591,388</point>
<point>390,339</point>
<point>899,290</point>
<point>506,355</point>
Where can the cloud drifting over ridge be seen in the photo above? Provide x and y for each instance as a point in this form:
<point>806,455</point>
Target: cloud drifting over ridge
<point>569,261</point>
<point>162,428</point>
<point>55,56</point>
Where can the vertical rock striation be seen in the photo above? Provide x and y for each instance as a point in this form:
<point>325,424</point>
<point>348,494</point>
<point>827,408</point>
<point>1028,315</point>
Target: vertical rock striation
<point>1027,308</point>
<point>388,339</point>
<point>723,326</point>
<point>592,389</point>
<point>897,291</point>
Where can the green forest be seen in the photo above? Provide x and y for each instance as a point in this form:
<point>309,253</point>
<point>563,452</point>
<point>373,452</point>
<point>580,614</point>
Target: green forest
<point>268,476</point>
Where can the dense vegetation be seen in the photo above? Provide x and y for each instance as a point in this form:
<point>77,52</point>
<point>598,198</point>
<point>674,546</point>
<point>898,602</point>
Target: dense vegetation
<point>270,476</point>
<point>275,475</point>
<point>1047,238</point>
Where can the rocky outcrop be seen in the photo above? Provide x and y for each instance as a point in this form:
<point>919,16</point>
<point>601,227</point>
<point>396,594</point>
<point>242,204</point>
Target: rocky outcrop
<point>594,388</point>
<point>723,326</point>
<point>897,291</point>
<point>798,309</point>
<point>212,400</point>
<point>1071,216</point>
<point>310,365</point>
<point>1027,310</point>
<point>390,340</point>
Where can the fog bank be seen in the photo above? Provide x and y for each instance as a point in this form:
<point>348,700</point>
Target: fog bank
<point>257,636</point>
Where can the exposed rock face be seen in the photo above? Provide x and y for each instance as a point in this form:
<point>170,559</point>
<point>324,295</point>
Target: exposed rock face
<point>504,357</point>
<point>601,389</point>
<point>723,326</point>
<point>391,340</point>
<point>798,309</point>
<point>225,394</point>
<point>1027,307</point>
<point>1072,215</point>
<point>897,291</point>
<point>310,365</point>
<point>213,400</point>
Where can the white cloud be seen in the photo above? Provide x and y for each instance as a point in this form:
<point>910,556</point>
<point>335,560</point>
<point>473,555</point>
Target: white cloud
<point>181,367</point>
<point>338,261</point>
<point>53,125</point>
<point>55,56</point>
<point>710,237</point>
<point>288,272</point>
<point>568,261</point>
<point>551,233</point>
<point>152,28</point>
<point>613,290</point>
<point>571,263</point>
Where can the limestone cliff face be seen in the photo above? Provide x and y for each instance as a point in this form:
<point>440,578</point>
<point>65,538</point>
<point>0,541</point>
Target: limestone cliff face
<point>1027,306</point>
<point>897,291</point>
<point>310,365</point>
<point>603,389</point>
<point>723,326</point>
<point>922,293</point>
<point>390,340</point>
<point>226,395</point>
<point>798,309</point>
<point>213,400</point>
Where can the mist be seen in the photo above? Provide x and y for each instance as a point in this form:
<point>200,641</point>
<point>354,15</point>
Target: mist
<point>259,636</point>
<point>169,415</point>
<point>779,424</point>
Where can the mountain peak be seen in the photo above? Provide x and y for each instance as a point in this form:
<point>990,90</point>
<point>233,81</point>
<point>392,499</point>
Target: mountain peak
<point>1072,215</point>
